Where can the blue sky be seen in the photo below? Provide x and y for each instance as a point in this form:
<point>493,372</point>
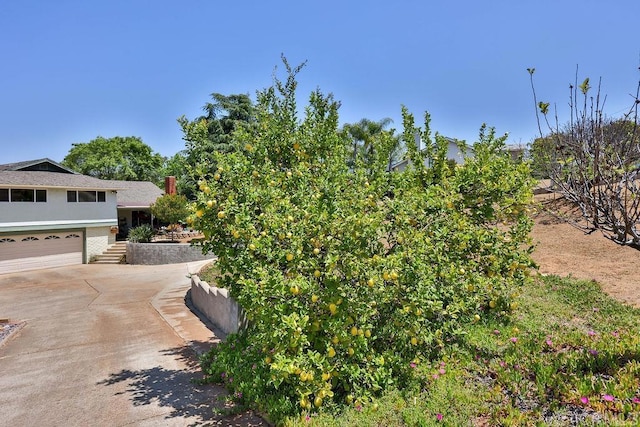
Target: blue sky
<point>72,70</point>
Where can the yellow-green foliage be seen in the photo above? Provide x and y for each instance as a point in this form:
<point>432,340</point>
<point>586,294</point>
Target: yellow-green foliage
<point>349,275</point>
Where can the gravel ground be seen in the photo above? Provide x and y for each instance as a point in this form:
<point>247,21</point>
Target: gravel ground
<point>9,329</point>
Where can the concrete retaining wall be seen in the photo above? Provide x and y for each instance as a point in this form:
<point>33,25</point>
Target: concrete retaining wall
<point>164,253</point>
<point>216,304</point>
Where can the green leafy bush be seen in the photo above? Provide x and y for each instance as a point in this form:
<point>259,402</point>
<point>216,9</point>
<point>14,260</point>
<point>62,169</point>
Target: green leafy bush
<point>351,275</point>
<point>141,234</point>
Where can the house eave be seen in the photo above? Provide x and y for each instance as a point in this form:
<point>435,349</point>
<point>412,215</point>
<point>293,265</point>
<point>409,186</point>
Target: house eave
<point>6,227</point>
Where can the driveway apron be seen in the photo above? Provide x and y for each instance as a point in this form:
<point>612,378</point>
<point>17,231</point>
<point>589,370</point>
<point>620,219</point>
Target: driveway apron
<point>105,345</point>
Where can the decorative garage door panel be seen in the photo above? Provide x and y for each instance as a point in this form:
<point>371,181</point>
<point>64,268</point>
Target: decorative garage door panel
<point>43,250</point>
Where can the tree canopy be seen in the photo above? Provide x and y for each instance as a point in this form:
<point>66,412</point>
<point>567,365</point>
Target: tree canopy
<point>177,166</point>
<point>212,132</point>
<point>118,158</point>
<point>350,277</point>
<point>362,136</point>
<point>208,134</point>
<point>171,208</point>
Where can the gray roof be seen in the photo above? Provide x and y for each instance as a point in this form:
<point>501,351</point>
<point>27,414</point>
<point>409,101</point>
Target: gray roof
<point>30,164</point>
<point>32,179</point>
<point>137,193</point>
<point>22,174</point>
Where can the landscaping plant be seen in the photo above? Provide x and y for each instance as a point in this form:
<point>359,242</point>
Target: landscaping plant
<point>141,234</point>
<point>171,208</point>
<point>569,357</point>
<point>351,276</point>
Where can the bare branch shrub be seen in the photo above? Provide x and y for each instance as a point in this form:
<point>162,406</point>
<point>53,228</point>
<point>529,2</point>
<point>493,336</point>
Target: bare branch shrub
<point>594,161</point>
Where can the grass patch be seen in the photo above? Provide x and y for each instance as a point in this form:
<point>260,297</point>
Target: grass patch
<point>571,356</point>
<point>209,273</point>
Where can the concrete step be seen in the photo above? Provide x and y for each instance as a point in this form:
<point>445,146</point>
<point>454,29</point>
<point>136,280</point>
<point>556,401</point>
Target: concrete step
<point>116,251</point>
<point>115,254</point>
<point>105,261</point>
<point>106,255</point>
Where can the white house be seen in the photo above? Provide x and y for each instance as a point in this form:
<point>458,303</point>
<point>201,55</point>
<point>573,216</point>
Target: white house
<point>456,151</point>
<point>52,216</point>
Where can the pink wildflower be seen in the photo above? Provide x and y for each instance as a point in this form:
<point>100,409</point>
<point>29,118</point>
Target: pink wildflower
<point>413,365</point>
<point>496,332</point>
<point>514,340</point>
<point>442,371</point>
<point>584,400</point>
<point>439,417</point>
<point>591,333</point>
<point>435,376</point>
<point>608,398</point>
<point>635,400</point>
<point>549,343</point>
<point>616,334</point>
<point>593,352</point>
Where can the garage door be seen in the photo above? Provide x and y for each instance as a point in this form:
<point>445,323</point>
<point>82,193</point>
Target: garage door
<point>43,250</point>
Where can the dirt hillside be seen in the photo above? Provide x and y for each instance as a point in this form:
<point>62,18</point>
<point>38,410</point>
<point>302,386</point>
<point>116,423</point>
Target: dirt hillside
<point>564,250</point>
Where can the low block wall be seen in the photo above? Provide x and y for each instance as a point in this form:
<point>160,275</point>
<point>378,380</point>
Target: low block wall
<point>216,304</point>
<point>164,253</point>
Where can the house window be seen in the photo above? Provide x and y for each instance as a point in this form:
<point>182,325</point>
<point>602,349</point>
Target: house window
<point>86,196</point>
<point>22,195</point>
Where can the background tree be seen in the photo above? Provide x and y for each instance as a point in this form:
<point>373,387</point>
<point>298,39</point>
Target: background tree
<point>172,209</point>
<point>177,166</point>
<point>209,134</point>
<point>594,160</point>
<point>362,139</point>
<point>119,158</point>
<point>540,151</point>
<point>212,132</point>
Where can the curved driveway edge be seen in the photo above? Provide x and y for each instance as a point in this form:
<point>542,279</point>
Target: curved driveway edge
<point>106,345</point>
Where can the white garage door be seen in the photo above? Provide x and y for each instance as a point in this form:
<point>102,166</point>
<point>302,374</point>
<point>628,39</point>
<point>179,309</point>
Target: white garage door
<point>43,250</point>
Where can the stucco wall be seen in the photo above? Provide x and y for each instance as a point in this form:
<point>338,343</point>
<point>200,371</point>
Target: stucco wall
<point>98,240</point>
<point>57,208</point>
<point>216,304</point>
<point>164,253</point>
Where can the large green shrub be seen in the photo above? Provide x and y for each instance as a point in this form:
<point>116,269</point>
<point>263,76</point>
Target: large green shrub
<point>350,275</point>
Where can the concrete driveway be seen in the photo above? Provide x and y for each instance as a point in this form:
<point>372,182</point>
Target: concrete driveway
<point>106,345</point>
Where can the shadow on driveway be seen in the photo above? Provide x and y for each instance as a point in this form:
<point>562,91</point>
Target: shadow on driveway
<point>182,394</point>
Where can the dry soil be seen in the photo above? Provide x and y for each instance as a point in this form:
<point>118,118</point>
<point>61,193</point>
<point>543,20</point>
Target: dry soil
<point>565,250</point>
